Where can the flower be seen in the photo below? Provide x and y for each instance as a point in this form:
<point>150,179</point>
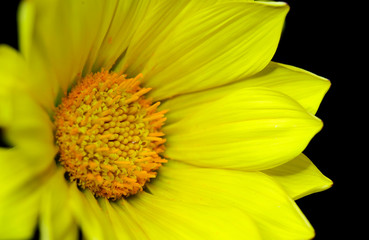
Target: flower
<point>90,72</point>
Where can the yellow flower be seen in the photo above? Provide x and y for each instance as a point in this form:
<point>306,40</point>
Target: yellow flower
<point>85,133</point>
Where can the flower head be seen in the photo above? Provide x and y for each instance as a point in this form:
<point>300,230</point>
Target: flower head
<point>155,120</point>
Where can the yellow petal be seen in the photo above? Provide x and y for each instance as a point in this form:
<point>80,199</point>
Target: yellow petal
<point>256,194</point>
<point>299,177</point>
<point>64,35</point>
<point>31,128</point>
<point>250,129</point>
<point>12,72</point>
<point>159,18</point>
<point>127,17</point>
<point>217,45</point>
<point>28,163</point>
<point>26,125</point>
<point>26,18</point>
<point>124,226</point>
<point>161,218</point>
<point>12,65</point>
<point>304,87</point>
<point>56,218</point>
<point>89,215</point>
<point>40,79</point>
<point>223,1</point>
<point>22,185</point>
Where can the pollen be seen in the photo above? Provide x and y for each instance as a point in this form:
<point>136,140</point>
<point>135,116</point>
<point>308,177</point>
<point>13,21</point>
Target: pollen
<point>109,135</point>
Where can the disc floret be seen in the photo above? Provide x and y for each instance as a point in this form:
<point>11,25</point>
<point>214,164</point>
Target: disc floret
<point>109,135</point>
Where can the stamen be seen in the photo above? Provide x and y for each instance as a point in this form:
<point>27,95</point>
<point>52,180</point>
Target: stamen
<point>132,99</point>
<point>90,147</point>
<point>156,134</point>
<point>142,92</point>
<point>154,138</point>
<point>153,107</point>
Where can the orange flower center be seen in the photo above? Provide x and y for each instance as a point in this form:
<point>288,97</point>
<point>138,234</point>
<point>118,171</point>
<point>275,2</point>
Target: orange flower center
<point>109,135</point>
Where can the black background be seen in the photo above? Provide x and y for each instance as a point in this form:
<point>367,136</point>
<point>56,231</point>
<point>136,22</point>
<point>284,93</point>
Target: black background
<point>322,38</point>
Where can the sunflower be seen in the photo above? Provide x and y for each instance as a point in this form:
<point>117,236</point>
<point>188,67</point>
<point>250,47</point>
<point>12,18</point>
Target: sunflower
<point>155,120</point>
